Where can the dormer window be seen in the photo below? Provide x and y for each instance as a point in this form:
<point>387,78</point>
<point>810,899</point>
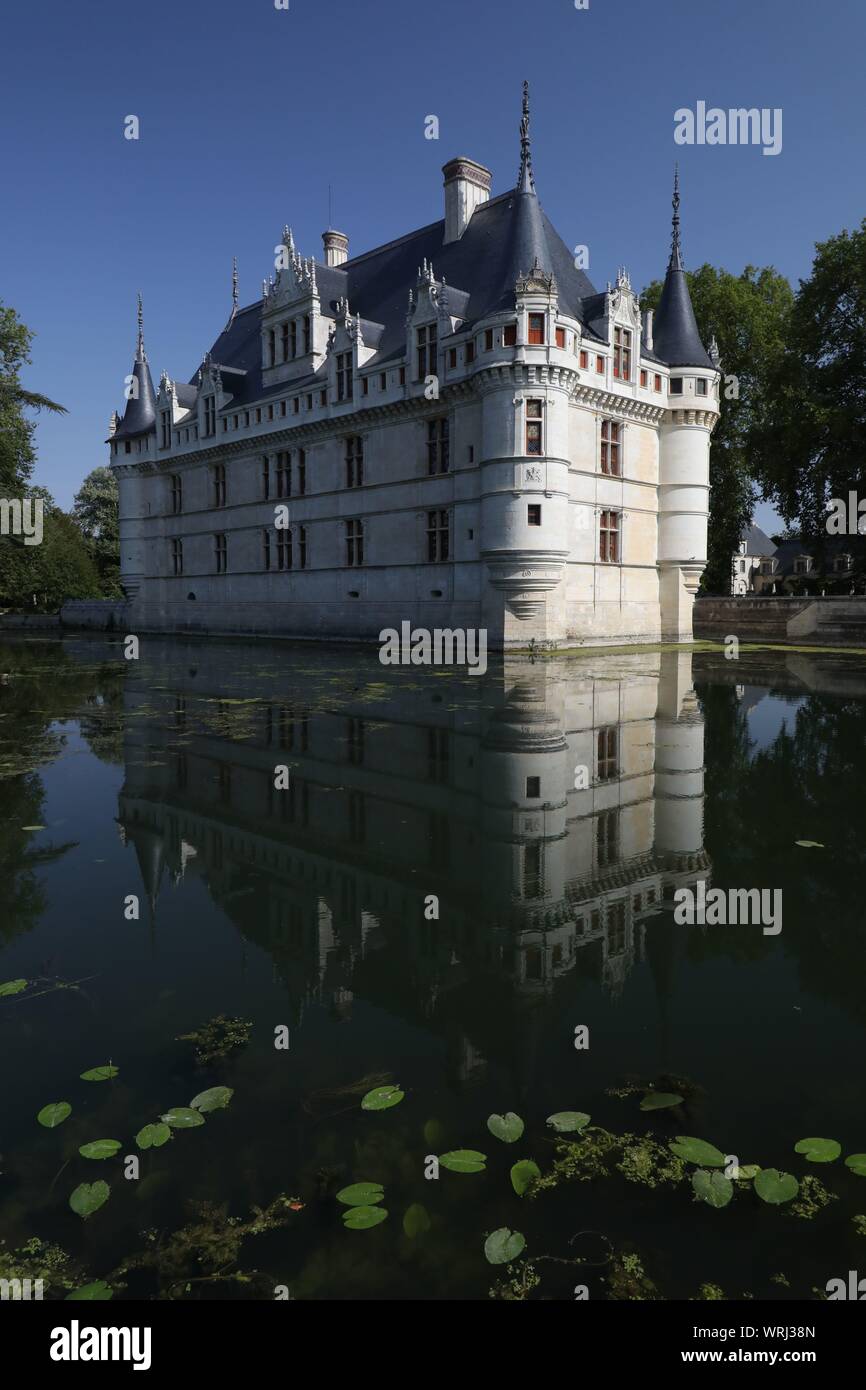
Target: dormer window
<point>210,415</point>
<point>345,388</point>
<point>293,329</point>
<point>284,343</point>
<point>272,347</point>
<point>622,354</point>
<point>307,333</point>
<point>802,564</point>
<point>165,421</point>
<point>536,329</point>
<point>426,345</point>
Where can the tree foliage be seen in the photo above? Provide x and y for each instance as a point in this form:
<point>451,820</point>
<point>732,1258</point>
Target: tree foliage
<point>95,512</point>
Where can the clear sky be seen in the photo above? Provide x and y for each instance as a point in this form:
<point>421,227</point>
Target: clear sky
<point>247,113</point>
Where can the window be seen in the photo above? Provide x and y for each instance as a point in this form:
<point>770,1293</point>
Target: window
<point>599,364</point>
<point>608,753</point>
<point>488,340</point>
<point>354,543</point>
<point>177,556</point>
<point>258,416</point>
<point>354,461</point>
<point>306,333</point>
<point>176,493</point>
<point>220,552</point>
<point>438,535</point>
<point>452,359</point>
<point>302,546</point>
<point>165,442</point>
<point>293,332</point>
<point>266,476</point>
<point>742,567</point>
<point>355,740</point>
<point>284,548</point>
<point>533,887</point>
<point>296,405</point>
<point>272,347</point>
<point>608,538</point>
<point>622,353</point>
<point>302,471</point>
<point>536,328</point>
<point>365,386</point>
<point>700,386</point>
<point>270,412</point>
<point>534,410</point>
<point>323,398</point>
<point>284,332</point>
<point>533,514</point>
<point>644,377</point>
<point>560,337</point>
<point>803,564</point>
<point>470,351</point>
<point>438,455</point>
<point>266,548</point>
<point>607,838</point>
<point>583,359</point>
<point>610,442</point>
<point>210,415</point>
<point>284,474</point>
<point>657,382</point>
<point>219,485</point>
<point>426,343</point>
<point>676,386</point>
<point>383,381</point>
<point>402,376</point>
<point>616,930</point>
<point>438,755</point>
<point>310,401</point>
<point>509,335</point>
<point>533,788</point>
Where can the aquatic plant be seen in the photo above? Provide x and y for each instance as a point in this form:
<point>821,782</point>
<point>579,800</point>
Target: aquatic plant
<point>217,1038</point>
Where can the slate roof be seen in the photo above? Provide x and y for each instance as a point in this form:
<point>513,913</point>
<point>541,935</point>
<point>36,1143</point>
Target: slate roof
<point>140,414</point>
<point>757,541</point>
<point>831,547</point>
<point>675,331</point>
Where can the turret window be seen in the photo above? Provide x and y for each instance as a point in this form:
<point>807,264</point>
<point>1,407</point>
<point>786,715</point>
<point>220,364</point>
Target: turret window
<point>488,340</point>
<point>610,445</point>
<point>509,335</point>
<point>426,344</point>
<point>438,535</point>
<point>583,359</point>
<point>438,446</point>
<point>560,337</point>
<point>676,387</point>
<point>657,382</point>
<point>220,552</point>
<point>219,485</point>
<point>599,364</point>
<point>536,329</point>
<point>609,538</point>
<point>354,543</point>
<point>701,386</point>
<point>622,354</point>
<point>643,377</point>
<point>177,556</point>
<point>176,493</point>
<point>534,431</point>
<point>345,389</point>
<point>354,461</point>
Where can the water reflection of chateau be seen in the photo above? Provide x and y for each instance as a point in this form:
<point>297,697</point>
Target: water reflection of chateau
<point>471,792</point>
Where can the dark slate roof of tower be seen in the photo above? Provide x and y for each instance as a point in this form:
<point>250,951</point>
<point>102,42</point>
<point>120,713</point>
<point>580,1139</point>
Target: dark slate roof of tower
<point>140,414</point>
<point>675,332</point>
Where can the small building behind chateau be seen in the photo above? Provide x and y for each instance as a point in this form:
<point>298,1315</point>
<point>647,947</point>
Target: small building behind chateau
<point>454,429</point>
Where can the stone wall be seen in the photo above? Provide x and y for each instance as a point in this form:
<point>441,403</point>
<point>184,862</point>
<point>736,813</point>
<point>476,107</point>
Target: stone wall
<point>807,621</point>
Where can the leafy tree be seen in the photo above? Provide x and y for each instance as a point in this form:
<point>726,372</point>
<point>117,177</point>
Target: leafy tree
<point>95,511</point>
<point>748,314</point>
<point>810,444</point>
<point>41,577</point>
<point>17,455</point>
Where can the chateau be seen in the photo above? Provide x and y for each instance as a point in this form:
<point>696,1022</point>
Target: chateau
<point>454,429</point>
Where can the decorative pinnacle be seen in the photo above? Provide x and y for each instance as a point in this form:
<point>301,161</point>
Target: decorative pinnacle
<point>525,181</point>
<point>140,351</point>
<point>235,300</point>
<point>676,262</point>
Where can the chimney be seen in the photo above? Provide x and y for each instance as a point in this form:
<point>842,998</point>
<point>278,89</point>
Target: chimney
<point>466,185</point>
<point>648,330</point>
<point>336,246</point>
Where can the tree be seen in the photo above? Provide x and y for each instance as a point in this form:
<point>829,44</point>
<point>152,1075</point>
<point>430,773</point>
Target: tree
<point>749,316</point>
<point>17,455</point>
<point>95,511</point>
<point>44,576</point>
<point>810,443</point>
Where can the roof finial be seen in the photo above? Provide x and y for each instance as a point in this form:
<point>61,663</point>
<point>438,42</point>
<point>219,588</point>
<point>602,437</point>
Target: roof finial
<point>525,181</point>
<point>235,300</point>
<point>139,356</point>
<point>676,250</point>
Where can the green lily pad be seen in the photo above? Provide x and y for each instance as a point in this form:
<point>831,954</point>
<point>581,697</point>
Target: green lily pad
<point>746,1172</point>
<point>524,1173</point>
<point>153,1136</point>
<point>382,1098</point>
<point>361,1194</point>
<point>98,1291</point>
<point>857,1164</point>
<point>100,1073</point>
<point>362,1218</point>
<point>660,1100</point>
<point>217,1098</point>
<point>818,1150</point>
<point>101,1148</point>
<point>508,1127</point>
<point>567,1121</point>
<point>54,1114</point>
<point>182,1117</point>
<point>416,1221</point>
<point>12,987</point>
<point>713,1188</point>
<point>463,1161</point>
<point>503,1246</point>
<point>775,1187</point>
<point>697,1151</point>
<point>810,844</point>
<point>88,1197</point>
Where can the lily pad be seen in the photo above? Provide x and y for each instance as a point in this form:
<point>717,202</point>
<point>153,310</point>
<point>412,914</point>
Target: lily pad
<point>775,1187</point>
<point>100,1073</point>
<point>463,1161</point>
<point>713,1188</point>
<point>660,1100</point>
<point>746,1172</point>
<point>508,1127</point>
<point>567,1121</point>
<point>101,1148</point>
<point>697,1151</point>
<point>524,1173</point>
<point>416,1221</point>
<point>361,1194</point>
<point>54,1114</point>
<point>182,1117</point>
<point>857,1164</point>
<point>503,1246</point>
<point>217,1098</point>
<point>12,987</point>
<point>98,1291</point>
<point>362,1218</point>
<point>810,844</point>
<point>818,1150</point>
<point>382,1098</point>
<point>88,1197</point>
<point>153,1136</point>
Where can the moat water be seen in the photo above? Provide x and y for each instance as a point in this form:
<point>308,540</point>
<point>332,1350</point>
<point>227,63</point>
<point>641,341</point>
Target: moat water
<point>456,874</point>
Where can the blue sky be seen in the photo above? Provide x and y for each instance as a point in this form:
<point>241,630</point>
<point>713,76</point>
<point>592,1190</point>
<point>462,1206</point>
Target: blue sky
<point>247,113</point>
